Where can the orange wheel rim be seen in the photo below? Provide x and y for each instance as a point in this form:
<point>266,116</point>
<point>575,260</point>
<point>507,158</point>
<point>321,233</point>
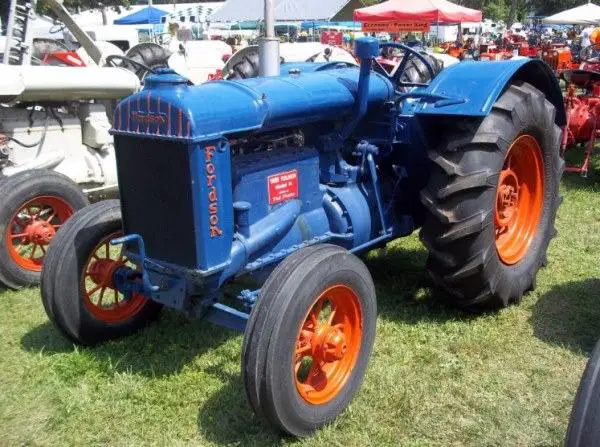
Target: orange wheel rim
<point>519,199</point>
<point>100,295</point>
<point>31,229</point>
<point>328,345</point>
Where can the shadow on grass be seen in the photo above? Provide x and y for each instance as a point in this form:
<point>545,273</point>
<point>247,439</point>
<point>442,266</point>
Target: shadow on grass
<point>163,348</point>
<point>569,315</point>
<point>166,346</point>
<point>227,419</point>
<point>572,180</point>
<point>404,290</point>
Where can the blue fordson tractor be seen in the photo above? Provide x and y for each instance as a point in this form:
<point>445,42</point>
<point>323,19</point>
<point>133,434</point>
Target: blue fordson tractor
<point>281,181</point>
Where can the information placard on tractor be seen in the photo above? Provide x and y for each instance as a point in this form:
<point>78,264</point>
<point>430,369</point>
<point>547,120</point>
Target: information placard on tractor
<point>283,186</point>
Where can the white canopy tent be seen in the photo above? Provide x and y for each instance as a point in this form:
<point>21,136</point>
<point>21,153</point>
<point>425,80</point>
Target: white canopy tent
<point>286,10</point>
<point>588,14</point>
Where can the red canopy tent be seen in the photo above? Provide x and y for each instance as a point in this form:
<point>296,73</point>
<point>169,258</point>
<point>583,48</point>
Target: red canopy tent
<point>429,11</point>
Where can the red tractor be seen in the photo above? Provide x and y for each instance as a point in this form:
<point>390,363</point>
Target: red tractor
<point>582,105</point>
<point>493,52</point>
<point>559,57</point>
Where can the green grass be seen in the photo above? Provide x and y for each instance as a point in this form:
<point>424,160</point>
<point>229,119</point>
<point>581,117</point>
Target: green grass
<point>437,377</point>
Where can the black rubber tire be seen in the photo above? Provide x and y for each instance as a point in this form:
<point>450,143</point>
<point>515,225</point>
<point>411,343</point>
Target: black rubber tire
<point>246,68</point>
<point>52,262</point>
<point>270,336</point>
<point>584,425</point>
<point>14,192</point>
<point>61,291</point>
<point>460,202</point>
<point>150,54</point>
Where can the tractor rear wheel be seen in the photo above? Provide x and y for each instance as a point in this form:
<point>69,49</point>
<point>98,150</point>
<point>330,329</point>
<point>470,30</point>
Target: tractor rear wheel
<point>309,339</point>
<point>33,206</point>
<point>149,54</point>
<point>492,199</point>
<point>584,426</point>
<point>78,291</point>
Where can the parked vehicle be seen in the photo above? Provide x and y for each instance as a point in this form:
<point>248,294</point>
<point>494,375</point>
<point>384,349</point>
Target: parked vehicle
<point>282,181</point>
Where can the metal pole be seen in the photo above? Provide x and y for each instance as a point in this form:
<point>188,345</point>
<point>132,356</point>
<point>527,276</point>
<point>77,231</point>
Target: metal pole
<point>268,45</point>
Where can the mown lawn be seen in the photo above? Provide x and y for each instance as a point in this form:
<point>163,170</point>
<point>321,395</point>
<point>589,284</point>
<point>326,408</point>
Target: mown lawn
<point>437,377</point>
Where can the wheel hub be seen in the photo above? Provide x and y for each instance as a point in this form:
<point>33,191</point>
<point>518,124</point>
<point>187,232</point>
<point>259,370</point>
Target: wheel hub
<point>101,297</point>
<point>102,270</point>
<point>32,227</point>
<point>519,199</point>
<point>507,202</point>
<point>39,232</point>
<point>330,345</point>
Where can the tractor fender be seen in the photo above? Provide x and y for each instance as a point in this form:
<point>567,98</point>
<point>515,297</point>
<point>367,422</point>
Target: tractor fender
<point>472,88</point>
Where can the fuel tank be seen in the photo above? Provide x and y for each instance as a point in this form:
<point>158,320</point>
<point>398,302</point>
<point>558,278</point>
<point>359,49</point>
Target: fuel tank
<point>170,107</point>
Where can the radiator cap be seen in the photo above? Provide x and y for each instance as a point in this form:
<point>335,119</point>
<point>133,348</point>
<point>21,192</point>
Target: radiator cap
<point>164,77</point>
<point>366,48</point>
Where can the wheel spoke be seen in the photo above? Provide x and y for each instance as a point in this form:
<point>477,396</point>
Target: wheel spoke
<point>43,249</point>
<point>107,248</point>
<point>116,297</point>
<point>316,376</point>
<point>16,236</point>
<point>23,248</point>
<point>101,296</point>
<point>33,250</point>
<point>51,217</point>
<point>94,290</point>
<point>316,311</point>
<point>331,317</point>
<point>301,350</point>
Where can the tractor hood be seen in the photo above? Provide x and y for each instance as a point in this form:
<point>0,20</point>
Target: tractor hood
<point>169,107</point>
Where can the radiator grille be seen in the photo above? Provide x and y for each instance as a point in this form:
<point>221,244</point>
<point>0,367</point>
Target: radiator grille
<point>156,197</point>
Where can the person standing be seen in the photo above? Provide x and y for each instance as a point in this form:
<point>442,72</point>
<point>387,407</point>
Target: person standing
<point>586,35</point>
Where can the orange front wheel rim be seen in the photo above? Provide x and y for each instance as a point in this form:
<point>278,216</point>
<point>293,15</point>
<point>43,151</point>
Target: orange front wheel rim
<point>31,229</point>
<point>328,345</point>
<point>100,295</point>
<point>519,199</point>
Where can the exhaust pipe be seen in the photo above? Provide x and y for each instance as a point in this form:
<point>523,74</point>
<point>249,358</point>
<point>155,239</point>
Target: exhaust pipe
<point>268,46</point>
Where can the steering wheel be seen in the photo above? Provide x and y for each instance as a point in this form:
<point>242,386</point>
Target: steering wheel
<point>111,60</point>
<point>590,54</point>
<point>57,27</point>
<point>409,55</point>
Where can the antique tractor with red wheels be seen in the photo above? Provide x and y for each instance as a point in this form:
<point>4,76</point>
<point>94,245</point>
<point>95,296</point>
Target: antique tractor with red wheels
<point>281,181</point>
<point>582,105</point>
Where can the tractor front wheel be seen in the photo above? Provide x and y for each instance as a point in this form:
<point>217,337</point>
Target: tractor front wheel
<point>78,290</point>
<point>584,425</point>
<point>492,200</point>
<point>33,206</point>
<point>309,339</point>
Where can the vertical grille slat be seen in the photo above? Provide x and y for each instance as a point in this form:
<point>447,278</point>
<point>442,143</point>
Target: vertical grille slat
<point>156,197</point>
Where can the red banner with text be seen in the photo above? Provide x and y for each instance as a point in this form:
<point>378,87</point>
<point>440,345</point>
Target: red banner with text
<point>396,27</point>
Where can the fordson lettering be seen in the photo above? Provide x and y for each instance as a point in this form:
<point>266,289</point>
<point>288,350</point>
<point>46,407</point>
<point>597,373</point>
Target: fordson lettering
<point>149,118</point>
<point>213,205</point>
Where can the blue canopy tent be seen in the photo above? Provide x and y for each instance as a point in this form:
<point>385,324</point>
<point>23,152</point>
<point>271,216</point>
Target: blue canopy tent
<point>148,15</point>
<point>320,24</point>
